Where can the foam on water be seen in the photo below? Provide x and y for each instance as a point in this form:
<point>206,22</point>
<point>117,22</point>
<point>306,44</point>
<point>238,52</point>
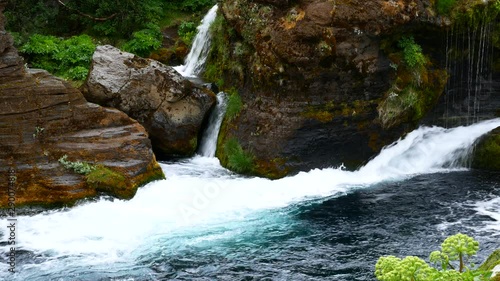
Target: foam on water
<point>199,195</point>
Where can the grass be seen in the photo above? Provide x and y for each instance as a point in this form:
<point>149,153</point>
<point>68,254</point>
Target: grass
<point>234,104</point>
<point>239,160</point>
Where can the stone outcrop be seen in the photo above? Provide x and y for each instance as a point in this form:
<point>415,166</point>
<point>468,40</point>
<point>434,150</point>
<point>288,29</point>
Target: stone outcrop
<point>321,82</point>
<point>170,107</point>
<point>487,152</point>
<point>43,118</point>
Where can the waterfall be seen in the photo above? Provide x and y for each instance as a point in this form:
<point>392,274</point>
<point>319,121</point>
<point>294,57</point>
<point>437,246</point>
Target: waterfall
<point>468,61</point>
<point>208,143</point>
<point>195,60</point>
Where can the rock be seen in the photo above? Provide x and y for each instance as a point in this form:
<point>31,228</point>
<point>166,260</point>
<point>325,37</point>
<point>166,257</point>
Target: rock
<point>492,263</point>
<point>487,152</point>
<point>170,107</point>
<point>311,75</point>
<point>43,118</point>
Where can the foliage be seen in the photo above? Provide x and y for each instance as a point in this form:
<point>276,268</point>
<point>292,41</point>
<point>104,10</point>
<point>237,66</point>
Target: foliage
<point>195,5</point>
<point>31,16</point>
<point>412,52</point>
<point>456,248</point>
<point>444,7</point>
<point>239,160</point>
<point>187,31</point>
<point>234,104</point>
<point>145,41</point>
<point>83,168</point>
<point>68,58</point>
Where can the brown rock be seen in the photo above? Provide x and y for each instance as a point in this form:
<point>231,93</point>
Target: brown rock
<point>170,107</point>
<point>43,118</point>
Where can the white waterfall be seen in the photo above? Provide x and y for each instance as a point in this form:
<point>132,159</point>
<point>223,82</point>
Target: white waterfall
<point>195,60</point>
<point>208,143</point>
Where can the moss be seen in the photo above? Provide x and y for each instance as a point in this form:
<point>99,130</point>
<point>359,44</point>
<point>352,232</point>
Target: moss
<point>234,104</point>
<point>271,169</point>
<point>238,160</point>
<point>327,112</point>
<point>492,261</point>
<point>487,152</point>
<point>111,182</point>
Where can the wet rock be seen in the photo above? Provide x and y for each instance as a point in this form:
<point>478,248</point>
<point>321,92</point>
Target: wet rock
<point>43,118</point>
<point>170,107</point>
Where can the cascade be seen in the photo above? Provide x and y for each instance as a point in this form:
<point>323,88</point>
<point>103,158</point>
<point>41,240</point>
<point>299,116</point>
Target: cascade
<point>469,53</point>
<point>195,60</point>
<point>208,143</point>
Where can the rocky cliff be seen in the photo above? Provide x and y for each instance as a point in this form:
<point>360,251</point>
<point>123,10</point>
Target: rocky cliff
<point>45,123</point>
<point>322,82</point>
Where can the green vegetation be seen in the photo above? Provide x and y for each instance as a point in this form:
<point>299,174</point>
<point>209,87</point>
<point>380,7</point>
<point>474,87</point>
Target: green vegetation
<point>68,58</point>
<point>238,160</point>
<point>444,7</point>
<point>412,52</point>
<point>452,263</point>
<point>145,41</point>
<point>187,31</point>
<point>78,167</point>
<point>234,104</point>
<point>487,152</point>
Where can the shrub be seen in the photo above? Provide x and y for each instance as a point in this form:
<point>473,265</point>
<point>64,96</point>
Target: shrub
<point>444,7</point>
<point>234,104</point>
<point>237,159</point>
<point>455,249</point>
<point>69,58</point>
<point>187,31</point>
<point>145,41</point>
<point>412,52</point>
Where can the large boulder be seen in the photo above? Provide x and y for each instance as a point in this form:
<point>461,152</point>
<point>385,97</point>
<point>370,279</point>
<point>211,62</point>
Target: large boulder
<point>44,119</point>
<point>321,82</point>
<point>486,155</point>
<point>170,107</point>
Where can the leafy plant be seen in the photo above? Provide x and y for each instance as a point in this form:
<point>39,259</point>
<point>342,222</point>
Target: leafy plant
<point>239,160</point>
<point>444,7</point>
<point>69,58</point>
<point>83,168</point>
<point>234,104</point>
<point>195,5</point>
<point>187,31</point>
<point>457,248</point>
<point>412,52</point>
<point>145,41</point>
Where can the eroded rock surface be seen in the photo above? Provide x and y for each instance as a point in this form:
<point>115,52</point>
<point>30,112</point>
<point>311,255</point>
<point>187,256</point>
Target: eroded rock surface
<point>43,118</point>
<point>170,107</point>
<point>313,76</point>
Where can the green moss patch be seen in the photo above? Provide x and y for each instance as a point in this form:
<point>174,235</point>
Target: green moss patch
<point>106,180</point>
<point>487,153</point>
<point>238,160</point>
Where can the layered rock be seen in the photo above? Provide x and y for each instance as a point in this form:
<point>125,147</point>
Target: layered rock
<point>319,80</point>
<point>170,107</point>
<point>42,119</point>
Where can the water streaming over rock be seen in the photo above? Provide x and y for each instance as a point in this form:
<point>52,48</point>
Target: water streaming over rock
<point>200,202</point>
<point>195,60</point>
<point>208,143</point>
<point>469,53</point>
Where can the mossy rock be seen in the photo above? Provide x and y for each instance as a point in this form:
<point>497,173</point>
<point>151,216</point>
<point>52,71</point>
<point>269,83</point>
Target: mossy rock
<point>492,261</point>
<point>487,152</point>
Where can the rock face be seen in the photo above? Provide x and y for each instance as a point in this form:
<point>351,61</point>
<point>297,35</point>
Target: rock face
<point>170,107</point>
<point>321,82</point>
<point>43,118</point>
<point>487,153</point>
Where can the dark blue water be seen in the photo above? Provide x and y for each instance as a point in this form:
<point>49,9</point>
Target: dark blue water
<point>340,238</point>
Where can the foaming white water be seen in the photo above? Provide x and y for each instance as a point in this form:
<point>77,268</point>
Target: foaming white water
<point>490,208</point>
<point>199,195</point>
<point>209,139</point>
<point>197,56</point>
<point>428,149</point>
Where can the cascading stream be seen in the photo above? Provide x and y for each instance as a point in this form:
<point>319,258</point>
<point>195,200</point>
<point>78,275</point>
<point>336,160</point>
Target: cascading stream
<point>201,196</point>
<point>195,60</point>
<point>208,143</point>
